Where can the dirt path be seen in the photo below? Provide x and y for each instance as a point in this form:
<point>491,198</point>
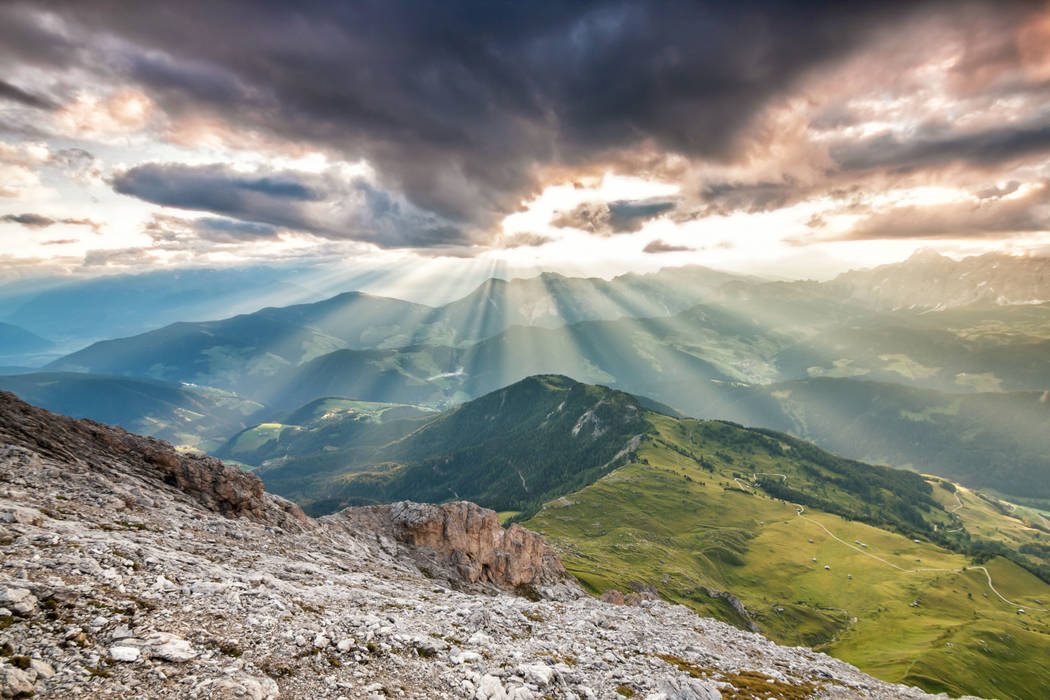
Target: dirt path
<point>800,510</point>
<point>745,486</point>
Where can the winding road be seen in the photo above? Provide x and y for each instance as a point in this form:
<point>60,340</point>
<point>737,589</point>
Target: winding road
<point>800,510</point>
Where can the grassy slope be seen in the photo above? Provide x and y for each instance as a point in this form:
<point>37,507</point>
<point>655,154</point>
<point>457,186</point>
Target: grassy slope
<point>675,526</point>
<point>486,450</point>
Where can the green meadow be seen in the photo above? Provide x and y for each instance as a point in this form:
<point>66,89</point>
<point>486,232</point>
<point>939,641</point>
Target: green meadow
<point>903,610</point>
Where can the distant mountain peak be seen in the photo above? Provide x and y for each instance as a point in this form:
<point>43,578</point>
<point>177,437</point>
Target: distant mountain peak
<point>930,280</point>
<point>925,255</point>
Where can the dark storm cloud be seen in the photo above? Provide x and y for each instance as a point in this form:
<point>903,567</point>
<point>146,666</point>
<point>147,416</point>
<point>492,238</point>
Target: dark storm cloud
<point>329,205</point>
<point>934,146</point>
<point>17,94</point>
<point>659,246</point>
<point>460,104</point>
<point>211,188</point>
<point>605,219</point>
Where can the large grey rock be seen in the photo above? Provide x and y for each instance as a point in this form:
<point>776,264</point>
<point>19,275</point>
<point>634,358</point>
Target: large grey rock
<point>685,689</point>
<point>18,600</point>
<point>15,682</point>
<point>169,647</point>
<point>239,687</point>
<point>24,516</point>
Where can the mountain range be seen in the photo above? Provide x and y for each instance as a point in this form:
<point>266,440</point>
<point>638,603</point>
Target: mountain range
<point>654,428</point>
<point>717,333</point>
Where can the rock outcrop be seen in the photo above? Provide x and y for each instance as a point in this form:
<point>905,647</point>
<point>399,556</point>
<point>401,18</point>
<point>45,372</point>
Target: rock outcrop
<point>463,541</point>
<point>128,570</point>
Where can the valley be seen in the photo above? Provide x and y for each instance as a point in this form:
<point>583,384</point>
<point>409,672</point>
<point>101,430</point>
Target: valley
<point>612,417</point>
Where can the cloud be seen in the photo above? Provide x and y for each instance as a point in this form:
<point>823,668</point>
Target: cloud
<point>523,240</point>
<point>935,146</point>
<point>659,246</point>
<point>464,110</point>
<point>179,230</point>
<point>117,113</point>
<point>331,205</point>
<point>19,164</point>
<point>460,106</point>
<point>28,220</point>
<point>229,230</point>
<point>77,164</point>
<point>38,221</point>
<point>17,94</point>
<point>609,218</point>
<point>986,215</point>
<point>119,258</point>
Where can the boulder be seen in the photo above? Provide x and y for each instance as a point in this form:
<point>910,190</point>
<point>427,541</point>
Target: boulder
<point>127,654</point>
<point>18,600</point>
<point>239,687</point>
<point>169,647</point>
<point>23,516</point>
<point>15,683</point>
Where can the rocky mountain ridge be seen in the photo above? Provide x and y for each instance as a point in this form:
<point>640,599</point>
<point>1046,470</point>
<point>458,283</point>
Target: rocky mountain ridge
<point>132,570</point>
<point>928,280</point>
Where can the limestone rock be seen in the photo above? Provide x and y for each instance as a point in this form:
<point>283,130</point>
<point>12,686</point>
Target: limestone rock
<point>169,647</point>
<point>466,538</point>
<point>540,674</point>
<point>18,600</point>
<point>239,687</point>
<point>14,682</point>
<point>127,654</point>
<point>685,689</point>
<point>217,486</point>
<point>25,516</point>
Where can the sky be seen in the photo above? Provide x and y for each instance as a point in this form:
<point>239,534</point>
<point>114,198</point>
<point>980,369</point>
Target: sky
<point>792,139</point>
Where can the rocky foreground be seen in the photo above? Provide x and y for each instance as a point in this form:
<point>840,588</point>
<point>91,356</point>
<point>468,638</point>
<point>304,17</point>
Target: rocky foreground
<point>130,570</point>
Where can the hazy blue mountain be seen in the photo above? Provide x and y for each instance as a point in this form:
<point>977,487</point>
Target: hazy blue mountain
<point>182,415</point>
<point>250,348</point>
<point>551,300</point>
<point>998,440</point>
<point>17,342</point>
<point>75,311</point>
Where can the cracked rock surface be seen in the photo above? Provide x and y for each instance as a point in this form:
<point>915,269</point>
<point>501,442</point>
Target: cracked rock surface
<point>131,570</point>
